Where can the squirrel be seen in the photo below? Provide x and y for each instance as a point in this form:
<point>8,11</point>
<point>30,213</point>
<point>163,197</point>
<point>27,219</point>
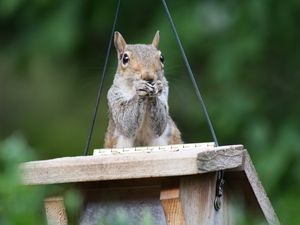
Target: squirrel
<point>138,98</point>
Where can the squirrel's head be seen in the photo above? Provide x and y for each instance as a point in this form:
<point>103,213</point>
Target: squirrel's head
<point>139,61</point>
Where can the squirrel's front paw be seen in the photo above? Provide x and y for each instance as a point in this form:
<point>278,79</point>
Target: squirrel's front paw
<point>158,87</point>
<point>144,88</point>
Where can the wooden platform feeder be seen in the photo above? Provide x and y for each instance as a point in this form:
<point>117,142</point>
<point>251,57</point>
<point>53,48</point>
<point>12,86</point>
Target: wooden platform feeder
<point>175,185</point>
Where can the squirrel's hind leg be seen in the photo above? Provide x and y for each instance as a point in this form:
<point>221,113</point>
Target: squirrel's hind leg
<point>170,136</point>
<point>163,139</point>
<point>124,142</point>
<point>175,137</point>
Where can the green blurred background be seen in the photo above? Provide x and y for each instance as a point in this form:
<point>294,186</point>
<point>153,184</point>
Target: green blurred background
<point>245,55</point>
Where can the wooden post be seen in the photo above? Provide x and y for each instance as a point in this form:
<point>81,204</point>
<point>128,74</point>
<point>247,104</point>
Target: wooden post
<point>55,211</point>
<point>171,203</point>
<point>197,194</point>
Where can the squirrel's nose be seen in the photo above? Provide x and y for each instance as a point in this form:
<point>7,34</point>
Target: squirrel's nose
<point>150,81</point>
<point>148,77</point>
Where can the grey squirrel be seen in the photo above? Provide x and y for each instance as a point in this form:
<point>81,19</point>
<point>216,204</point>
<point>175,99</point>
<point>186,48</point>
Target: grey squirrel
<point>138,98</point>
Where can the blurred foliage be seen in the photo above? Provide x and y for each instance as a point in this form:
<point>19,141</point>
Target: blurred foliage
<point>245,55</point>
<point>18,204</point>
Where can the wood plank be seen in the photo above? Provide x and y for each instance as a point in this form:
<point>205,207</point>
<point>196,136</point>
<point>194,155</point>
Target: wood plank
<point>222,159</point>
<point>150,149</point>
<point>259,192</point>
<point>55,211</point>
<point>241,195</point>
<point>197,196</point>
<point>127,166</point>
<point>169,193</point>
<point>172,206</point>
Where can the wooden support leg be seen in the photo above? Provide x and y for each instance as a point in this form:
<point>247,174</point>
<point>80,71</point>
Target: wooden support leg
<point>55,211</point>
<point>170,200</point>
<point>197,195</point>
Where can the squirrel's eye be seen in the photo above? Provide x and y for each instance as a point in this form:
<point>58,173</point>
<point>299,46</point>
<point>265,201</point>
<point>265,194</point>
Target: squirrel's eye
<point>125,59</point>
<point>161,58</point>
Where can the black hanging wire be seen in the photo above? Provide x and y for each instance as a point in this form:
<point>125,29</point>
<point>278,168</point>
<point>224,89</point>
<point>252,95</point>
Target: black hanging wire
<point>190,72</point>
<point>220,174</point>
<point>88,142</point>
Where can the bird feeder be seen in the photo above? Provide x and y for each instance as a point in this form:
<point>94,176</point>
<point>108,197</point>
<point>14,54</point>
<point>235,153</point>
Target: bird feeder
<point>174,184</point>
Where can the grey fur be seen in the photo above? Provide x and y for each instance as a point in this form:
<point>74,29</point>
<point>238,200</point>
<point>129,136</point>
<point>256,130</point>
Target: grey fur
<point>158,115</point>
<point>138,101</point>
<point>130,114</point>
<point>127,114</point>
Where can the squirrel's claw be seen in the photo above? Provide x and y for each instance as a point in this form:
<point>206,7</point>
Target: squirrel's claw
<point>158,86</point>
<point>144,88</point>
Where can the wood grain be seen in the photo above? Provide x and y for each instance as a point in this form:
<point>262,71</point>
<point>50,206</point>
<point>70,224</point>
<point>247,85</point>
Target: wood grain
<point>55,211</point>
<point>130,166</point>
<point>220,159</point>
<point>172,206</point>
<point>259,192</point>
<point>197,195</point>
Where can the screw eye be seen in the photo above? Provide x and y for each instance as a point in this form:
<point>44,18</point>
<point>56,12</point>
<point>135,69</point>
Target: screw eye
<point>125,58</point>
<point>162,58</point>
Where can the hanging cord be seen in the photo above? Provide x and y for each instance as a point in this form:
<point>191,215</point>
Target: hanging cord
<point>192,77</point>
<point>88,142</point>
<point>220,174</point>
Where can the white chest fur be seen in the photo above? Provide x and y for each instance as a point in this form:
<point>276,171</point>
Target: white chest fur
<point>145,135</point>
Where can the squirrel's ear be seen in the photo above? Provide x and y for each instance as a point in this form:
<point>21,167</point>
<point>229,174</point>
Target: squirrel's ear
<point>155,41</point>
<point>119,42</point>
